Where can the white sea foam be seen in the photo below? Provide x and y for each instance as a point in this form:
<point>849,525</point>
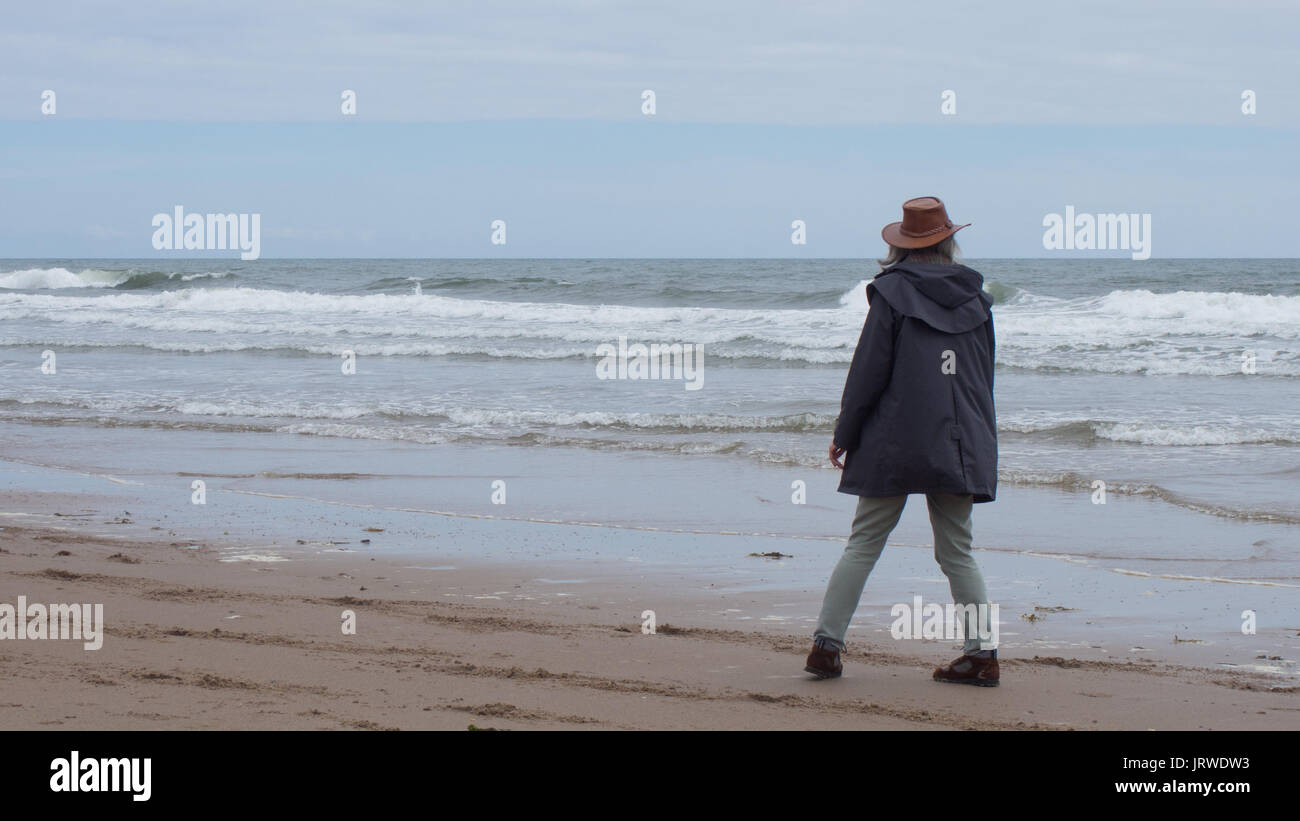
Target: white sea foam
<point>497,421</point>
<point>37,279</point>
<point>1185,435</point>
<point>1189,433</point>
<point>500,420</point>
<point>1124,331</point>
<point>1141,314</point>
<point>41,278</point>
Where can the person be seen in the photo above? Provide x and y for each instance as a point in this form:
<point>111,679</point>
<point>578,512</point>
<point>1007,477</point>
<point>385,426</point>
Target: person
<point>917,416</point>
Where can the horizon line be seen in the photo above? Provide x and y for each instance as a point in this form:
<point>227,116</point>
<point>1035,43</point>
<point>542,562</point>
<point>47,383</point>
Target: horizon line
<point>1071,258</point>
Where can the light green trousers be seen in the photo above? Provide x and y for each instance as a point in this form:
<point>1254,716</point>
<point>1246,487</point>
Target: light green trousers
<point>875,519</point>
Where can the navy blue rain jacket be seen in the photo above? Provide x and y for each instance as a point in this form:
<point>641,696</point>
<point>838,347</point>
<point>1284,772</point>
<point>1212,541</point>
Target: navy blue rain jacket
<point>917,412</point>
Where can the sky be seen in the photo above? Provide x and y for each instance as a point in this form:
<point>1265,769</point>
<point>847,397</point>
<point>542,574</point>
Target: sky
<point>532,113</point>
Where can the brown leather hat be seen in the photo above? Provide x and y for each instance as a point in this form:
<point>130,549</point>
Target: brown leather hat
<point>925,223</point>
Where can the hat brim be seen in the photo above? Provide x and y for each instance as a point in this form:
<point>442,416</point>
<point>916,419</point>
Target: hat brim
<point>893,234</point>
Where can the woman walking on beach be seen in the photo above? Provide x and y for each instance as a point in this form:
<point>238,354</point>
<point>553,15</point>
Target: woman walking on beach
<point>917,417</point>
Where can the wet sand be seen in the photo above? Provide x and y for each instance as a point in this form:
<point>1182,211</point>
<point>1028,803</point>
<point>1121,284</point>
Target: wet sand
<point>1136,579</point>
<point>222,636</point>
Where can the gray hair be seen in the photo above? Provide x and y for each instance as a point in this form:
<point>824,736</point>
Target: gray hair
<point>946,252</point>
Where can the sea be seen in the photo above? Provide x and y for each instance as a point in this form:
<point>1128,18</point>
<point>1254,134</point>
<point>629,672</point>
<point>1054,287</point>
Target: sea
<point>1178,379</point>
<point>459,410</point>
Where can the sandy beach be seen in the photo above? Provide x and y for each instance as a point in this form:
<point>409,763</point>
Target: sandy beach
<point>197,638</point>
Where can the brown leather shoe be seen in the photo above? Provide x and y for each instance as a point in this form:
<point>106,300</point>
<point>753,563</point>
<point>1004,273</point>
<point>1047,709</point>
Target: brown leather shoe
<point>982,672</point>
<point>824,663</point>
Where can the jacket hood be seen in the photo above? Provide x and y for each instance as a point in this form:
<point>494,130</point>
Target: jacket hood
<point>948,298</point>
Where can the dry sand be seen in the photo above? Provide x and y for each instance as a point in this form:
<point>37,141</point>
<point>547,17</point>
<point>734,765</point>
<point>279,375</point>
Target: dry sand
<point>195,642</point>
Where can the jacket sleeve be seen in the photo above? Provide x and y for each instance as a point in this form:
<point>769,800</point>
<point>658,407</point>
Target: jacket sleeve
<point>873,364</point>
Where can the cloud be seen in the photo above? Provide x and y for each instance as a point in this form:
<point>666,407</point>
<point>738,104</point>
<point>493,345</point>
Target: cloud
<point>727,61</point>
